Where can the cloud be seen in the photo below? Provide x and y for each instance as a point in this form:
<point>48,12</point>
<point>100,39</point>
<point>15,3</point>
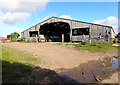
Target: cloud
<point>48,16</point>
<point>12,18</point>
<point>14,11</point>
<point>110,21</point>
<point>23,6</point>
<point>66,16</point>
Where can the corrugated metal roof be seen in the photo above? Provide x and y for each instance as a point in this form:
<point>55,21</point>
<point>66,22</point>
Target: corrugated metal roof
<point>71,20</point>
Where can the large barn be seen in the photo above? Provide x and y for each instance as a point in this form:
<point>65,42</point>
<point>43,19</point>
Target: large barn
<point>67,30</point>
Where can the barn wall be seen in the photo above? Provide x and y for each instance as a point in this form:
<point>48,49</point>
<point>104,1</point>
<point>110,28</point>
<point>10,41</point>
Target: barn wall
<point>112,34</point>
<point>94,32</point>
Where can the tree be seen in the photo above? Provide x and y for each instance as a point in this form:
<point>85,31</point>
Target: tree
<point>16,34</point>
<point>9,36</point>
<point>13,36</point>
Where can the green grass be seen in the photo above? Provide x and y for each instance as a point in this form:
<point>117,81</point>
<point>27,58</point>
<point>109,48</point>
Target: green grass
<point>26,42</point>
<point>13,41</point>
<point>67,43</point>
<point>59,43</point>
<point>14,55</point>
<point>17,65</point>
<point>22,41</point>
<point>94,46</point>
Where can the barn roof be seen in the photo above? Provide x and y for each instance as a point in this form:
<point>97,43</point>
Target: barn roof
<point>72,20</point>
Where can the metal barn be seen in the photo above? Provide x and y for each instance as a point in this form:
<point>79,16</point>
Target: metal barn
<point>66,30</point>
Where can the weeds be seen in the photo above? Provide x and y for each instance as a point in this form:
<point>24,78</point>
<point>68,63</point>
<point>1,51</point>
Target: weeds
<point>94,46</point>
<point>115,40</point>
<point>58,43</point>
<point>68,43</point>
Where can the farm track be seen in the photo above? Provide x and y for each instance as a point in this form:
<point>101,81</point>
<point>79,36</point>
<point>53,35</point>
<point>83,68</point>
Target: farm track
<point>59,56</point>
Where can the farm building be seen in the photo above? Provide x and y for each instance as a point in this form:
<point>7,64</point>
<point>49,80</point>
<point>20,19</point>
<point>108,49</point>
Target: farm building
<point>66,30</point>
<point>1,38</point>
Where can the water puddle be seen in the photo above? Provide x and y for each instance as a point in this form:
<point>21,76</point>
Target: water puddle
<point>115,64</point>
<point>91,72</point>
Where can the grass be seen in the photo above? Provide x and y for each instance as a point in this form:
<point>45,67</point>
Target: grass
<point>59,43</point>
<point>13,55</point>
<point>67,43</point>
<point>21,41</point>
<point>17,65</point>
<point>26,42</point>
<point>94,46</point>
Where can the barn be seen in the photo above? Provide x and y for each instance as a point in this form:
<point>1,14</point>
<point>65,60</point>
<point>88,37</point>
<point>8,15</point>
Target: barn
<point>67,30</point>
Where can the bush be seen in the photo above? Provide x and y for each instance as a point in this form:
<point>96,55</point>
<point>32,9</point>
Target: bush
<point>115,40</point>
<point>20,40</point>
<point>79,45</point>
<point>95,43</point>
<point>84,43</point>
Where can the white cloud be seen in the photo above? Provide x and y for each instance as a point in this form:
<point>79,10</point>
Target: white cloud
<point>23,6</point>
<point>110,21</point>
<point>12,18</point>
<point>14,11</point>
<point>48,16</point>
<point>66,16</point>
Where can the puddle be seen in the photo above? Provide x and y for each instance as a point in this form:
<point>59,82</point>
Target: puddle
<point>115,64</point>
<point>91,72</point>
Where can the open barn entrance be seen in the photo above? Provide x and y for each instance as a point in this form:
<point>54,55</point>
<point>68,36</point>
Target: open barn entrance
<point>54,31</point>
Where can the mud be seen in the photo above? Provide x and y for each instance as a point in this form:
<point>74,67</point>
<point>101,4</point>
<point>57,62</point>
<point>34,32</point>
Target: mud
<point>91,72</point>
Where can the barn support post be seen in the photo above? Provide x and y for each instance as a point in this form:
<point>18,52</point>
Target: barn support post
<point>36,38</point>
<point>109,37</point>
<point>39,34</point>
<point>28,36</point>
<point>83,38</point>
<point>62,37</point>
<point>26,39</point>
<point>71,35</point>
<point>70,31</point>
<point>89,38</point>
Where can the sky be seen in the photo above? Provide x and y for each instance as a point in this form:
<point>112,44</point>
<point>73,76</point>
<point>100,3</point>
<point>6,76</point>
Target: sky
<point>16,15</point>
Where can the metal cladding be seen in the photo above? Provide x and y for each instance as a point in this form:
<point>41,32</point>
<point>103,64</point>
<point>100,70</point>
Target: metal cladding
<point>75,30</point>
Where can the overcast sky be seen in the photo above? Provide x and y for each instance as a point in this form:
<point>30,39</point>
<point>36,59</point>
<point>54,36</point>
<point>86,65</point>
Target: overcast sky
<point>17,15</point>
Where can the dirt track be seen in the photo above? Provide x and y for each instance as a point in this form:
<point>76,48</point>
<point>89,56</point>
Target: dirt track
<point>58,56</point>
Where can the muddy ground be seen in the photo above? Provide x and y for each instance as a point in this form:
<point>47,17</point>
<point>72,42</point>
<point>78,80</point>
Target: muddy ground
<point>72,64</point>
<point>92,72</point>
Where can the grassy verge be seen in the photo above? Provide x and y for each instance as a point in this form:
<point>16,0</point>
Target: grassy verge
<point>14,55</point>
<point>26,42</point>
<point>93,47</point>
<point>21,41</point>
<point>16,65</point>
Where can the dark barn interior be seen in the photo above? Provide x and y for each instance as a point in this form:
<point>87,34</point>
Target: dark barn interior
<point>54,31</point>
<point>33,33</point>
<point>80,31</point>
